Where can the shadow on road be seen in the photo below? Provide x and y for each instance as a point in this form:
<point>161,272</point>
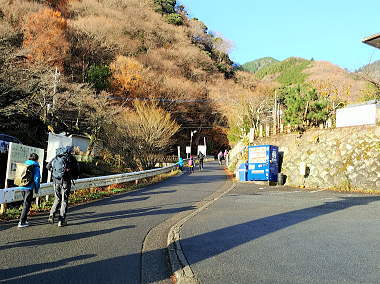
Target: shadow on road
<point>210,244</point>
<point>222,240</point>
<point>103,271</point>
<point>127,200</point>
<point>125,214</point>
<point>61,238</point>
<point>24,270</point>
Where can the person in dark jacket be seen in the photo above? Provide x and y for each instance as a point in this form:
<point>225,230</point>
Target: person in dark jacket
<point>201,158</point>
<point>64,168</point>
<point>27,191</point>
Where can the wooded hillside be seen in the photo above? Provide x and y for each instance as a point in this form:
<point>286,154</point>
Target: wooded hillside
<point>87,67</point>
<point>135,73</point>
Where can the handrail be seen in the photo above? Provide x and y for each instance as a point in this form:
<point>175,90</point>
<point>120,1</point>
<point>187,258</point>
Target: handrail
<point>13,194</point>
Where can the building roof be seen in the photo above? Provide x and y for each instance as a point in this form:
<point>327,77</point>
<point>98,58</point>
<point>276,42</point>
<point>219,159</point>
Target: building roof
<point>373,40</point>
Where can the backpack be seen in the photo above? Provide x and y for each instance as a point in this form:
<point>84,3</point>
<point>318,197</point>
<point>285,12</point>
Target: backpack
<point>24,174</point>
<point>63,168</point>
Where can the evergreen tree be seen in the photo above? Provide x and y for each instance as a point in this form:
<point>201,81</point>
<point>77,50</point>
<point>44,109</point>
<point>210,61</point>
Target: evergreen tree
<point>99,76</point>
<point>304,106</point>
<point>165,6</point>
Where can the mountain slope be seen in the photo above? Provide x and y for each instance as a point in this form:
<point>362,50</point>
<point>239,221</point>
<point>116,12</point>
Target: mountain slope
<point>256,65</point>
<point>337,83</point>
<point>371,70</point>
<point>286,72</point>
<point>329,79</point>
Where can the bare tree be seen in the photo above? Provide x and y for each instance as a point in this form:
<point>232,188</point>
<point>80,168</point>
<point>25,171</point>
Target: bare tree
<point>148,132</point>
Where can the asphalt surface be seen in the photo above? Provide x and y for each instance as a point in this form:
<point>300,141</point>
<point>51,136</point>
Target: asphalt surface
<point>103,240</point>
<point>261,234</point>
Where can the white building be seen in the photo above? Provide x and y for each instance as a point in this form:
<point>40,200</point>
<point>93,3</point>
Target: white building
<point>361,114</point>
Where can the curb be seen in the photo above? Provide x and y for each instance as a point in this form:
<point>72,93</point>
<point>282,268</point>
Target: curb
<point>178,262</point>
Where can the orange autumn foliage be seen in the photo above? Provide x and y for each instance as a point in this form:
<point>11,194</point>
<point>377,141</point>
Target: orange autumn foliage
<point>127,74</point>
<point>44,38</point>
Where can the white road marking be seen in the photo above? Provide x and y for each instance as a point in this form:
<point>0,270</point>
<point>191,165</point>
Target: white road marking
<point>317,190</point>
<point>286,192</point>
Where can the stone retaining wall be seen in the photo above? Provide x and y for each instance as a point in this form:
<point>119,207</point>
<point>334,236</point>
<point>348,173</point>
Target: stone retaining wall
<point>335,158</point>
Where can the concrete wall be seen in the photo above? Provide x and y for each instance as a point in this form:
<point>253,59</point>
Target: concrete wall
<point>341,158</point>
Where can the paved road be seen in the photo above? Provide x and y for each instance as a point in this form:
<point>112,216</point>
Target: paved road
<point>103,241</point>
<point>257,234</point>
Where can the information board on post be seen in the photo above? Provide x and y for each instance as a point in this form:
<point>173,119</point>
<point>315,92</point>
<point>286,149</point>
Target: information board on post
<point>18,153</point>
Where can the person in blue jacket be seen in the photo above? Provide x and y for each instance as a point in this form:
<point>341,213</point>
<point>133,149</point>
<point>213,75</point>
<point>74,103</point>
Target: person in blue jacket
<point>27,191</point>
<point>180,163</point>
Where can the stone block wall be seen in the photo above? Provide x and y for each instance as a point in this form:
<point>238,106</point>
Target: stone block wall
<point>335,158</point>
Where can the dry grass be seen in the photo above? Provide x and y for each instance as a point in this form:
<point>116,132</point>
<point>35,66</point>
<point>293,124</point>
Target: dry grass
<point>331,79</point>
<point>15,12</point>
<point>130,25</point>
<point>6,29</point>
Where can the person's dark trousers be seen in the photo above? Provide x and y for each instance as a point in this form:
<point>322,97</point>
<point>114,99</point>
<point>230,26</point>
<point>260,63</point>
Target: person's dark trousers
<point>61,198</point>
<point>28,197</point>
<point>200,165</point>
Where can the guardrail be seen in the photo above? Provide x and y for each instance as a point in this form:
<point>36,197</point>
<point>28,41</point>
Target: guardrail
<point>13,194</point>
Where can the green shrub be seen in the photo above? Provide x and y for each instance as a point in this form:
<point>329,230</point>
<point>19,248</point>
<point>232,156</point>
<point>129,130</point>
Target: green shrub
<point>174,19</point>
<point>98,76</point>
<point>165,6</point>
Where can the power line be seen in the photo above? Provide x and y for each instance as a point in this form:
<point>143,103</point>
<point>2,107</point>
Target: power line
<point>161,100</point>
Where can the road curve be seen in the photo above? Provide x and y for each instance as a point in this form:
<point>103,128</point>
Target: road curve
<point>103,241</point>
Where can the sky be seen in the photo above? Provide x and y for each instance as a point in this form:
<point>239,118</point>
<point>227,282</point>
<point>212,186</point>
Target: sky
<point>329,30</point>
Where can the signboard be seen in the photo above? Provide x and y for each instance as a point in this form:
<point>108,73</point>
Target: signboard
<point>257,155</point>
<point>54,142</point>
<point>18,153</point>
<point>357,115</point>
<point>202,149</point>
<point>188,150</point>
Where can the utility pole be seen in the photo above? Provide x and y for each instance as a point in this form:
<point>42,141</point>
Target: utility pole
<point>55,84</point>
<point>191,139</point>
<point>275,113</point>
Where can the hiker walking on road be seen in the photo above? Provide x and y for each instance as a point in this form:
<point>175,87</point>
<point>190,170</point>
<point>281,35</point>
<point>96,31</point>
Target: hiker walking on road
<point>220,157</point>
<point>64,168</point>
<point>201,158</point>
<point>191,164</point>
<point>225,156</point>
<point>29,181</point>
<point>180,163</point>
